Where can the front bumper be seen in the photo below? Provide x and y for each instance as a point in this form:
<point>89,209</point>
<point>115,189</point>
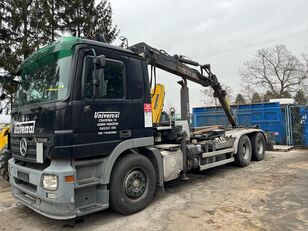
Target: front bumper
<point>31,194</point>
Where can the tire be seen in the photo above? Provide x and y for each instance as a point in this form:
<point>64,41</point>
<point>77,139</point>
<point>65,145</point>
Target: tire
<point>132,185</point>
<point>258,146</point>
<point>244,152</point>
<point>4,158</point>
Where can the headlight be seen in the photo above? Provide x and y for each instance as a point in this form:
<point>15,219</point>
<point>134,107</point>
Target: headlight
<point>49,182</point>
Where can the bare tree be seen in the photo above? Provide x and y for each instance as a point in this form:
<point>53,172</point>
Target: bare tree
<point>300,98</point>
<point>247,91</point>
<point>304,86</point>
<point>276,70</point>
<point>208,98</point>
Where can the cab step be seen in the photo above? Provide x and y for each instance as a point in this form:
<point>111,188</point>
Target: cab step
<point>91,208</point>
<point>215,164</point>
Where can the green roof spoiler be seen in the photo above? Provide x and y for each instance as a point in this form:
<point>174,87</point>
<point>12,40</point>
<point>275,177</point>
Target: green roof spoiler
<point>64,45</point>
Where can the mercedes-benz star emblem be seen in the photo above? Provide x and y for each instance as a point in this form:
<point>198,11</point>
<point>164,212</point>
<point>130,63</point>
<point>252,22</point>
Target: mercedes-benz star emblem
<point>23,147</point>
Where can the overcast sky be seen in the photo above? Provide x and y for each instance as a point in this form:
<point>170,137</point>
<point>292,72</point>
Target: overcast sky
<point>222,33</point>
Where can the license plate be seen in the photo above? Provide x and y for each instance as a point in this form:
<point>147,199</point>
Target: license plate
<point>23,176</point>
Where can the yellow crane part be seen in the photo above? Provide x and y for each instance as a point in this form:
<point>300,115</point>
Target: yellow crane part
<point>157,102</point>
<point>4,137</point>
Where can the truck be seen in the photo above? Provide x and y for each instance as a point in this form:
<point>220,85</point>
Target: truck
<point>83,136</point>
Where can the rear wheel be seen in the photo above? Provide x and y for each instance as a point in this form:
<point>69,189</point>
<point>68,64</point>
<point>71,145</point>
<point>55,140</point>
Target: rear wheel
<point>258,146</point>
<point>243,156</point>
<point>132,185</point>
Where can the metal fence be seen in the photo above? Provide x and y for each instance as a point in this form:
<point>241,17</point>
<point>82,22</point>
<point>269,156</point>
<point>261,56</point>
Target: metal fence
<point>297,125</point>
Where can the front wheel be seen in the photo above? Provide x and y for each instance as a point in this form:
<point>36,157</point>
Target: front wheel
<point>132,185</point>
<point>243,156</point>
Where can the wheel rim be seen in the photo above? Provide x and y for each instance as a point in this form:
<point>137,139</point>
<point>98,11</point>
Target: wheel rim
<point>135,183</point>
<point>246,150</point>
<point>260,147</point>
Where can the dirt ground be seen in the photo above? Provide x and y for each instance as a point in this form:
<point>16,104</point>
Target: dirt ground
<point>267,195</point>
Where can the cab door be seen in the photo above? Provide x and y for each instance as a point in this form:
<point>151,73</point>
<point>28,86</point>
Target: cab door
<point>103,120</point>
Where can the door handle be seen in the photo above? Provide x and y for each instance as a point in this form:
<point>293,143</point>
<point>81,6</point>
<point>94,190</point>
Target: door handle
<point>125,133</point>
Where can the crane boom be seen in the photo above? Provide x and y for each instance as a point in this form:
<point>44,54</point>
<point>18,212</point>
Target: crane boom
<point>178,65</point>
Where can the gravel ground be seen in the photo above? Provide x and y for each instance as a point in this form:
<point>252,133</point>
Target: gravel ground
<point>267,195</point>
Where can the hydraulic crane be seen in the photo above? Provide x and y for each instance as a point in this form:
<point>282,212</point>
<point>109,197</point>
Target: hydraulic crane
<point>178,65</point>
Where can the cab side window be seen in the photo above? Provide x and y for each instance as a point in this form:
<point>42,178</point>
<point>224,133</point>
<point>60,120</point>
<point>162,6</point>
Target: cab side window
<point>111,82</point>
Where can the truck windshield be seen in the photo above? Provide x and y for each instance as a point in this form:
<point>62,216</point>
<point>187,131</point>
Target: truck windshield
<point>44,80</point>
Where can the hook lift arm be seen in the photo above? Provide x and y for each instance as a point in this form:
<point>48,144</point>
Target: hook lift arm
<point>178,65</point>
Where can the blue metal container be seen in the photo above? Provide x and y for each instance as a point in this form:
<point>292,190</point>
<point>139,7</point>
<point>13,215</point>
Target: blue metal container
<point>268,116</point>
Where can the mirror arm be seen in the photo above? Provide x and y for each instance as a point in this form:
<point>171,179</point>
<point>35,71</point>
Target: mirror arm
<point>88,108</point>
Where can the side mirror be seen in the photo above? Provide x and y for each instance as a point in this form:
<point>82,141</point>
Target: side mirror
<point>99,61</point>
